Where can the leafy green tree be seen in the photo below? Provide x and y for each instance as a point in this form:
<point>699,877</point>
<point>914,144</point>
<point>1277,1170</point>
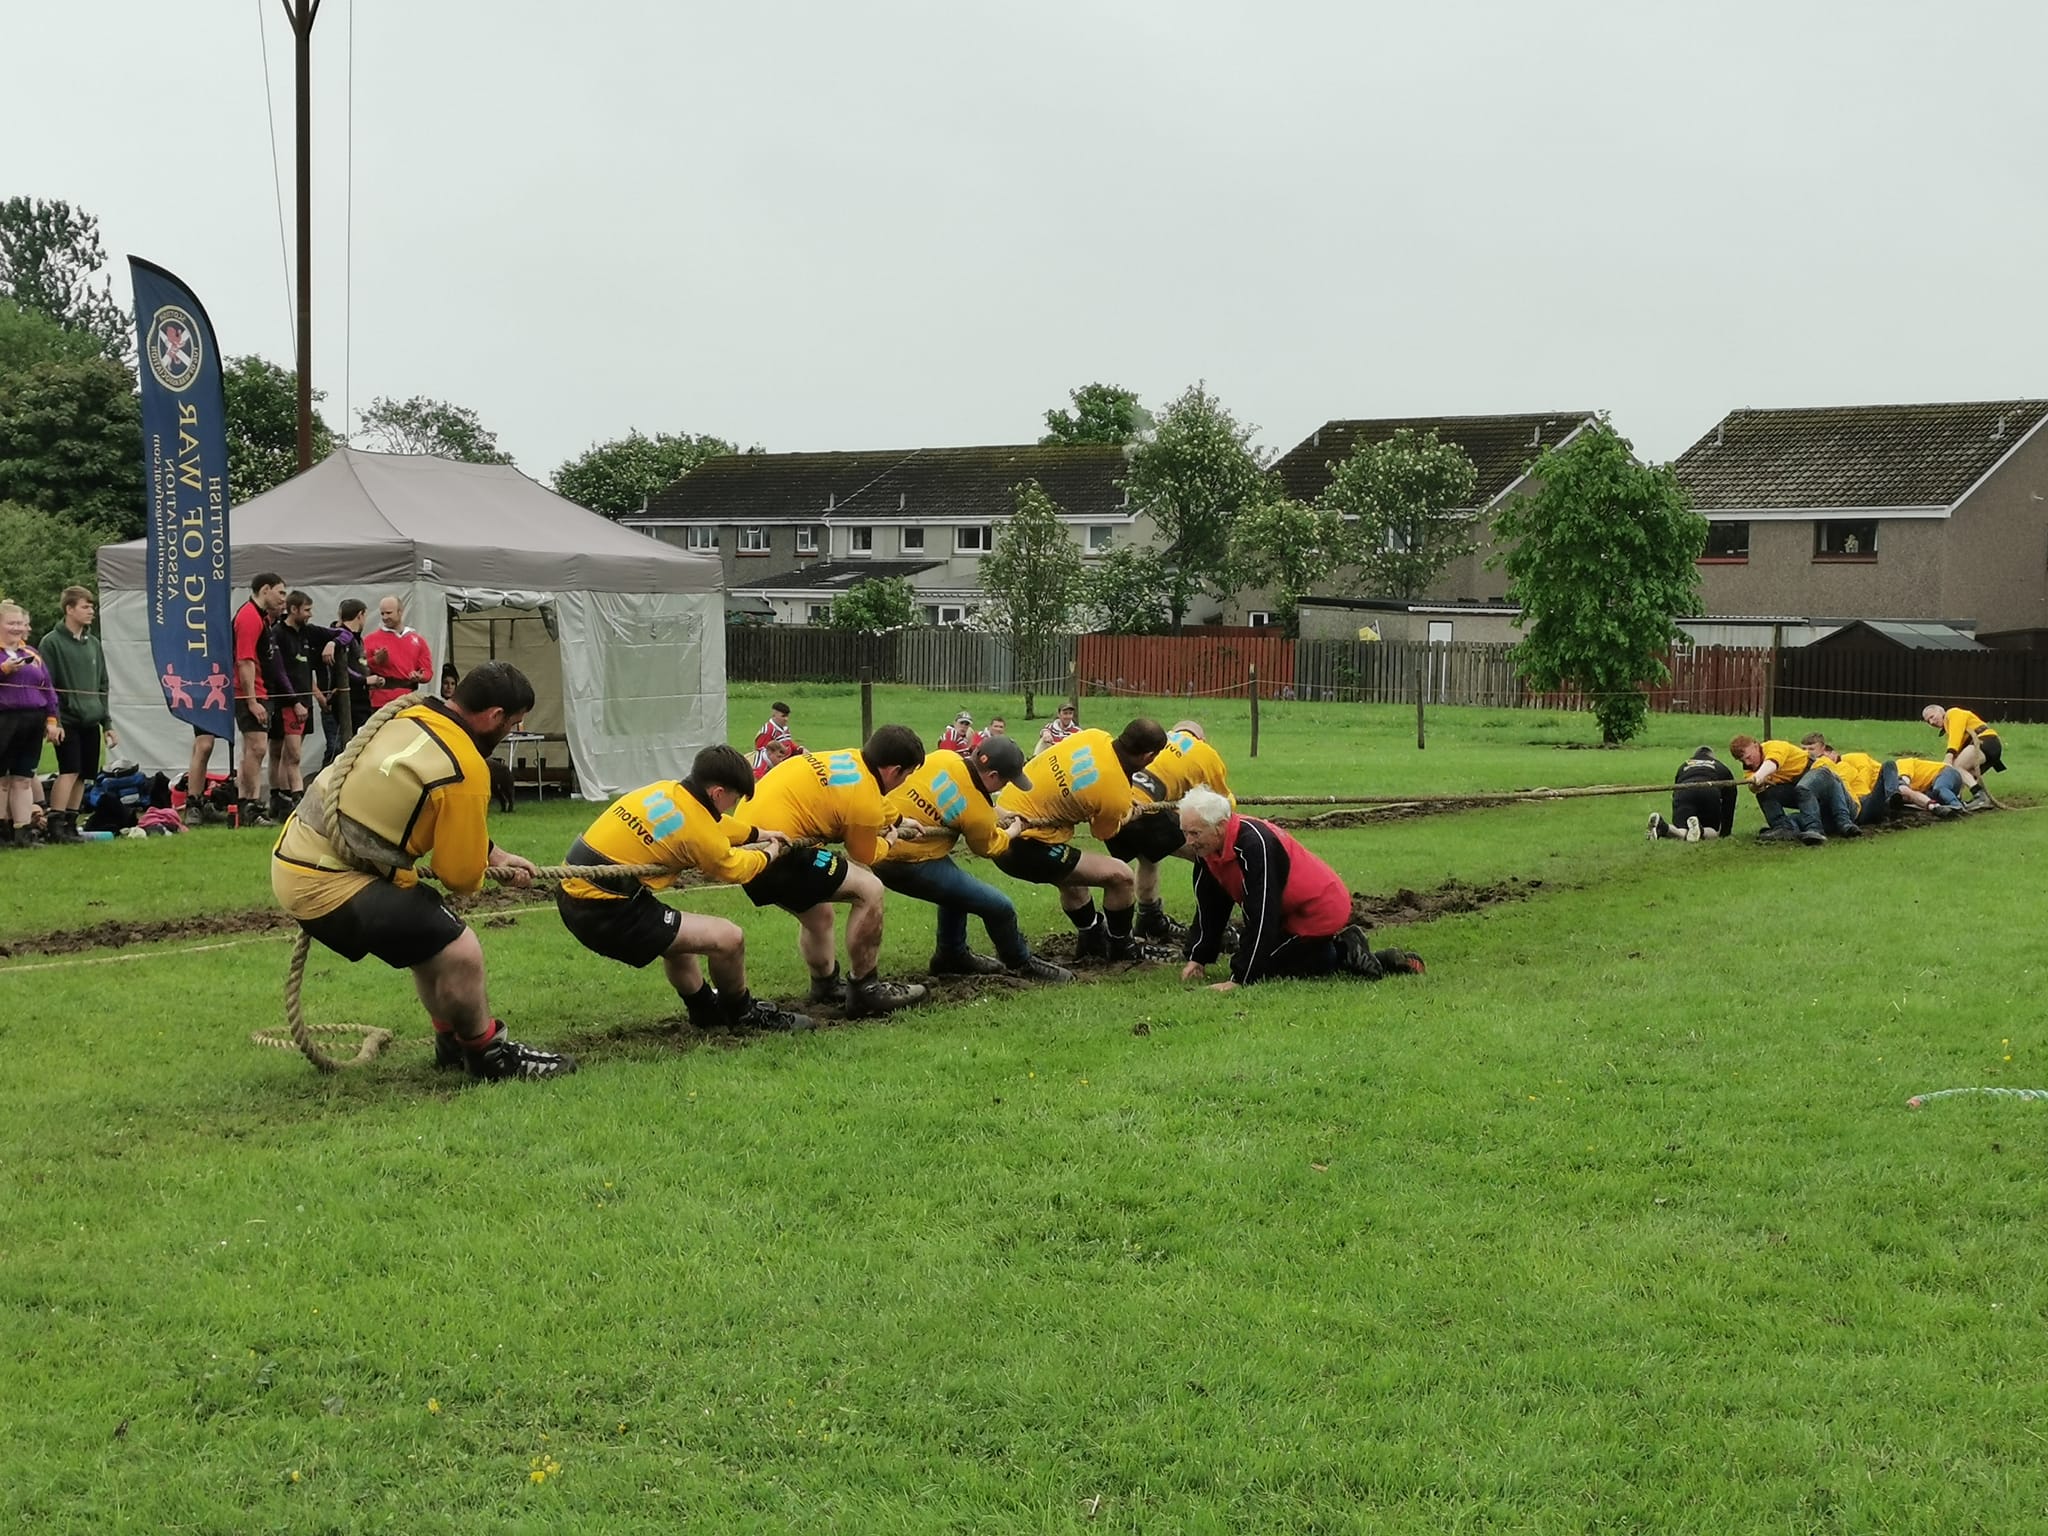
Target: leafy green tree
<point>1194,475</point>
<point>71,442</point>
<point>872,606</point>
<point>1032,580</point>
<point>263,425</point>
<point>29,337</point>
<point>42,553</point>
<point>1285,547</point>
<point>1102,413</point>
<point>617,477</point>
<point>1124,593</point>
<point>51,261</point>
<point>1409,499</point>
<point>422,425</point>
<point>1600,559</point>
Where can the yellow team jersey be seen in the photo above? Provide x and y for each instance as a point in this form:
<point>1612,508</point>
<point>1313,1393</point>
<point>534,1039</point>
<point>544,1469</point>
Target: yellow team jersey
<point>1076,779</point>
<point>1185,762</point>
<point>664,824</point>
<point>1960,723</point>
<point>420,787</point>
<point>945,798</point>
<point>1792,761</point>
<point>829,796</point>
<point>1858,772</point>
<point>1917,772</point>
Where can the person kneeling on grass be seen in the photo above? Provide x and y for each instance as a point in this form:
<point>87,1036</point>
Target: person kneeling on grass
<point>835,797</point>
<point>1972,747</point>
<point>345,872</point>
<point>1297,913</point>
<point>1787,789</point>
<point>677,823</point>
<point>1700,811</point>
<point>947,799</point>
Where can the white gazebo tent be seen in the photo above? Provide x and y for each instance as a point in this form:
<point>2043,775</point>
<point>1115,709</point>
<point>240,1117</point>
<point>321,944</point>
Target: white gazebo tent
<point>623,636</point>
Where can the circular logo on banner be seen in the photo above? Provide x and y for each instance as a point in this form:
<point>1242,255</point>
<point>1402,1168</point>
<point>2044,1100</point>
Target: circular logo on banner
<point>173,348</point>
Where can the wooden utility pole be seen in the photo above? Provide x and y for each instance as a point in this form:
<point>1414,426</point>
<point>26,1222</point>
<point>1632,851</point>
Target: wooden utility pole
<point>301,14</point>
<point>1252,685</point>
<point>1771,676</point>
<point>867,704</point>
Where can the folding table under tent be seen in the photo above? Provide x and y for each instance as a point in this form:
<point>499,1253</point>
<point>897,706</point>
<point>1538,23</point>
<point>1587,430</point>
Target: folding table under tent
<point>623,636</point>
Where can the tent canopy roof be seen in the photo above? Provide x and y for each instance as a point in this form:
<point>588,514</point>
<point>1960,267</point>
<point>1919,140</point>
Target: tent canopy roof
<point>365,517</point>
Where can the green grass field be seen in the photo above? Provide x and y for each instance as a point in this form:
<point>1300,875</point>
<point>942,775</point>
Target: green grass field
<point>1616,1221</point>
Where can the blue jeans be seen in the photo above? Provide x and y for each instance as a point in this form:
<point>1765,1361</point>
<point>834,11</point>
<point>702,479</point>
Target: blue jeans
<point>1796,805</point>
<point>1943,791</point>
<point>958,896</point>
<point>1837,810</point>
<point>1878,803</point>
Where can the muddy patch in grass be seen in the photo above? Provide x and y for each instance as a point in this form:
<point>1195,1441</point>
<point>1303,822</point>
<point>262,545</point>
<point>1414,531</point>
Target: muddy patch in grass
<point>1448,899</point>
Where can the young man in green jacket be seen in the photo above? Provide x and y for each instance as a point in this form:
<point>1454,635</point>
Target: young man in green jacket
<point>78,671</point>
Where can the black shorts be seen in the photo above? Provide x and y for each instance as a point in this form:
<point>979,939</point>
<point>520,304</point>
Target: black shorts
<point>1152,835</point>
<point>1039,863</point>
<point>635,930</point>
<point>798,881</point>
<point>79,751</point>
<point>246,721</point>
<point>403,926</point>
<point>1993,750</point>
<point>21,742</point>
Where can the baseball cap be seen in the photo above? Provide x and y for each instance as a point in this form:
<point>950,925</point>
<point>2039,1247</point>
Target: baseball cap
<point>963,718</point>
<point>1002,755</point>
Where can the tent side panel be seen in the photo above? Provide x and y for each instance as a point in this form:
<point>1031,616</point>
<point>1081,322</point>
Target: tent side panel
<point>643,683</point>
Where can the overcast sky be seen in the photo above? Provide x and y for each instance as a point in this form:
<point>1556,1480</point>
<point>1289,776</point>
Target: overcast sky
<point>881,224</point>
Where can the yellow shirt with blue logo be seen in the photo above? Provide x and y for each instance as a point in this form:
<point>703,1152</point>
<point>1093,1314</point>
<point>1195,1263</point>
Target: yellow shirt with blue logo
<point>1075,780</point>
<point>1184,763</point>
<point>663,823</point>
<point>828,796</point>
<point>944,798</point>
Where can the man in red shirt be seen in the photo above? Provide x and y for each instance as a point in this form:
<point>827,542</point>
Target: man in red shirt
<point>1297,912</point>
<point>253,665</point>
<point>396,658</point>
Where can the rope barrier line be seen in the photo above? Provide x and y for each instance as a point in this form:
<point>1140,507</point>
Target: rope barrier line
<point>2026,1095</point>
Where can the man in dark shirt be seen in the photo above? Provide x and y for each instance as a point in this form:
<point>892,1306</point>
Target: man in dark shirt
<point>1698,810</point>
<point>345,680</point>
<point>300,652</point>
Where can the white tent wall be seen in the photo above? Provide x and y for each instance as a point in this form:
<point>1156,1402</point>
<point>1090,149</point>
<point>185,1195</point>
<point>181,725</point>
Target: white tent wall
<point>157,739</point>
<point>643,676</point>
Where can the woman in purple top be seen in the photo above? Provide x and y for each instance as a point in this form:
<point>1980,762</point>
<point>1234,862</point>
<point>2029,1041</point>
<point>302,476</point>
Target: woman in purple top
<point>28,718</point>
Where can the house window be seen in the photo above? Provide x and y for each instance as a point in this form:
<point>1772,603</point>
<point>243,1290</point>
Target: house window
<point>753,541</point>
<point>977,539</point>
<point>861,541</point>
<point>700,538</point>
<point>1727,541</point>
<point>807,541</point>
<point>818,613</point>
<point>1398,542</point>
<point>1099,540</point>
<point>1259,619</point>
<point>913,541</point>
<point>1845,541</point>
<point>1439,631</point>
<point>944,613</point>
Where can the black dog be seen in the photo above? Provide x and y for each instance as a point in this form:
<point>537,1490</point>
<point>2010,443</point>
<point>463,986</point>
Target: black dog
<point>501,785</point>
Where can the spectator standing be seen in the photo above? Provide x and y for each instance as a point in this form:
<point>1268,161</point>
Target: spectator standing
<point>396,657</point>
<point>78,672</point>
<point>345,676</point>
<point>28,718</point>
<point>253,667</point>
<point>299,651</point>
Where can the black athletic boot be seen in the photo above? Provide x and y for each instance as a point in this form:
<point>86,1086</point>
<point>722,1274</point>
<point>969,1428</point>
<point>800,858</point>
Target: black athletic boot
<point>1399,962</point>
<point>8,835</point>
<point>253,814</point>
<point>754,1014</point>
<point>64,827</point>
<point>1355,955</point>
<point>506,1058</point>
<point>1031,968</point>
<point>1153,923</point>
<point>1092,942</point>
<point>869,996</point>
<point>1123,949</point>
<point>448,1051</point>
<point>829,989</point>
<point>964,962</point>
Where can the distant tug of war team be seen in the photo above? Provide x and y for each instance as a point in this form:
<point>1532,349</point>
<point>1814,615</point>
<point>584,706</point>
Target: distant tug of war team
<point>808,831</point>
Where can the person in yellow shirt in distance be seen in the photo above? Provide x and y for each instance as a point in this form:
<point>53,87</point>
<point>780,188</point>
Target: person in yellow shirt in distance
<point>1781,776</point>
<point>677,823</point>
<point>1859,788</point>
<point>1083,779</point>
<point>1972,746</point>
<point>1186,762</point>
<point>835,797</point>
<point>419,788</point>
<point>948,800</point>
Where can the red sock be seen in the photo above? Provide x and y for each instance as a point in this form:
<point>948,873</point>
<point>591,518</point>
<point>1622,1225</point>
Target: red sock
<point>442,1027</point>
<point>483,1039</point>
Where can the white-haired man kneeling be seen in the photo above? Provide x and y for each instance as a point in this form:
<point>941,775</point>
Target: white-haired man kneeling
<point>1297,912</point>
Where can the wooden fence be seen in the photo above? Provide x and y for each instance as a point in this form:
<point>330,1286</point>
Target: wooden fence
<point>1178,665</point>
<point>1815,683</point>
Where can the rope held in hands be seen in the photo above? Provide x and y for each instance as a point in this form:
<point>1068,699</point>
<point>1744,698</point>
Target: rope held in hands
<point>305,1037</point>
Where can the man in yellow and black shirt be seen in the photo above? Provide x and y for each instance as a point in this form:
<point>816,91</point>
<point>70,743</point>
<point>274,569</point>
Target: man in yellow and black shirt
<point>948,801</point>
<point>345,870</point>
<point>1083,779</point>
<point>1858,789</point>
<point>835,797</point>
<point>1186,762</point>
<point>1780,774</point>
<point>1972,746</point>
<point>679,824</point>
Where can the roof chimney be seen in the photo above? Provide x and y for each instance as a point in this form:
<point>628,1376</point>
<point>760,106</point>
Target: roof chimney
<point>1536,436</point>
<point>1721,432</point>
<point>1317,440</point>
<point>1998,432</point>
<point>830,501</point>
<point>902,500</point>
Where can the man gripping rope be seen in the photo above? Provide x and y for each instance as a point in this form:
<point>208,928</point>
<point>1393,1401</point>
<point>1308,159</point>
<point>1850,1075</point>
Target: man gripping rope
<point>1185,762</point>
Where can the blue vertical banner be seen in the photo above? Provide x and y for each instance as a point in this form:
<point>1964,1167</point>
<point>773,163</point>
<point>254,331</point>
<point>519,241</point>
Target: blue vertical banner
<point>185,461</point>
